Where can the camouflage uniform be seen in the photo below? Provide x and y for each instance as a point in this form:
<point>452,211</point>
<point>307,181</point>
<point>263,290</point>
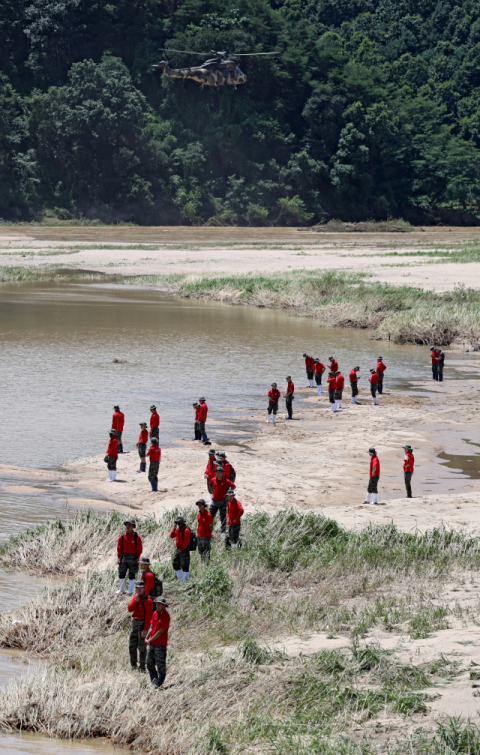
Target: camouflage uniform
<point>204,546</point>
<point>153,471</point>
<point>373,484</point>
<point>112,462</point>
<point>137,643</point>
<point>157,657</point>
<point>142,450</point>
<point>181,561</point>
<point>155,433</point>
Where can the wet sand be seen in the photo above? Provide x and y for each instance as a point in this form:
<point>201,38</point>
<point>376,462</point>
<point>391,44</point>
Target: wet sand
<point>240,250</point>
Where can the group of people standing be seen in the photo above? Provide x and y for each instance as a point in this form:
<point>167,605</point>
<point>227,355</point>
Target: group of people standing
<point>115,445</point>
<point>408,465</point>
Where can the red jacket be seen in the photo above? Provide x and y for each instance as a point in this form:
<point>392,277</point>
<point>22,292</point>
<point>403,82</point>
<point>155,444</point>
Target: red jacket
<point>118,421</point>
<point>154,452</point>
<point>148,580</point>
<point>220,487</point>
<point>290,388</point>
<point>202,412</point>
<point>204,522</point>
<point>353,377</point>
<point>143,437</point>
<point>182,537</point>
<point>374,378</point>
<point>374,466</point>
<point>154,420</point>
<point>381,367</point>
<point>332,383</point>
<point>234,512</point>
<point>334,365</point>
<point>435,356</point>
<point>211,467</point>
<point>112,449</point>
<point>339,382</point>
<point>126,544</point>
<point>408,462</point>
<point>142,609</point>
<point>273,396</point>
<point>309,363</point>
<point>197,412</point>
<point>160,621</point>
<point>319,368</point>
<point>226,469</point>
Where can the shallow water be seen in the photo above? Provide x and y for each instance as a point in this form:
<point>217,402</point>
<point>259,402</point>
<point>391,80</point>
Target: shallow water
<point>58,342</point>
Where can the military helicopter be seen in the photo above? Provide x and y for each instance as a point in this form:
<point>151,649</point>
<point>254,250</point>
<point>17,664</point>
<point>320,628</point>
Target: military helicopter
<point>215,72</point>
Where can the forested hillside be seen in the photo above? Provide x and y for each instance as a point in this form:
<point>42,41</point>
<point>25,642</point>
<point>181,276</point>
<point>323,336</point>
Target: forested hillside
<point>371,109</point>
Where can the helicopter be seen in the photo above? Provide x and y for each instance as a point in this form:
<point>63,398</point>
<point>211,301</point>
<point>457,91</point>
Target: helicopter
<point>214,72</point>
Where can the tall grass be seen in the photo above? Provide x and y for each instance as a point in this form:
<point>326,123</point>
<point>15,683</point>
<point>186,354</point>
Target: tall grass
<point>228,690</point>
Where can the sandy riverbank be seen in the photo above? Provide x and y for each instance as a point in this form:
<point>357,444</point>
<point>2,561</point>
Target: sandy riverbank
<point>319,462</point>
<point>151,251</point>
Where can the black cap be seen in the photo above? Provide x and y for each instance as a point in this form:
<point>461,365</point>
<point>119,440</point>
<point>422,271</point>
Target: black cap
<point>408,448</point>
<point>212,452</point>
<point>200,500</point>
<point>117,408</point>
<point>372,371</point>
<point>130,521</point>
<point>179,520</point>
<point>112,432</point>
<point>380,358</point>
<point>330,358</point>
<point>305,355</point>
<point>289,377</point>
<point>356,368</point>
<point>371,451</point>
<point>155,441</point>
<point>152,407</point>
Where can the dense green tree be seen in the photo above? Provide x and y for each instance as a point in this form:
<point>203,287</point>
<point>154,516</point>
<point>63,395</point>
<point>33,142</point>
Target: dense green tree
<point>371,108</point>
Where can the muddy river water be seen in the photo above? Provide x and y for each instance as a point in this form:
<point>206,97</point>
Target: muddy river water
<point>59,385</point>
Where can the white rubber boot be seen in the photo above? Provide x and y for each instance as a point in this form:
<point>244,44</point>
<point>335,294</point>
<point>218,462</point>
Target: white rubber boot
<point>352,400</point>
<point>114,475</point>
<point>179,574</point>
<point>121,589</point>
<point>340,403</point>
<point>334,407</point>
<point>268,418</point>
<point>131,585</point>
<point>274,416</point>
<point>185,576</point>
<point>375,498</point>
<point>375,401</point>
<point>367,498</point>
<point>319,389</point>
<point>211,498</point>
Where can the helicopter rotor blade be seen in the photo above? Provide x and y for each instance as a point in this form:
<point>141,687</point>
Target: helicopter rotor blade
<point>187,52</point>
<point>245,54</point>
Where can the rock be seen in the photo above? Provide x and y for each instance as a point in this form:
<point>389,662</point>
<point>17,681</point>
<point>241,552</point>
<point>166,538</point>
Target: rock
<point>119,361</point>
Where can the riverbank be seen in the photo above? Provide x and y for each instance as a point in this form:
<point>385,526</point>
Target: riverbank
<point>419,288</point>
<point>311,638</point>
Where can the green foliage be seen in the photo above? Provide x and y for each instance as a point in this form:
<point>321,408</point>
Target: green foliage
<point>370,110</point>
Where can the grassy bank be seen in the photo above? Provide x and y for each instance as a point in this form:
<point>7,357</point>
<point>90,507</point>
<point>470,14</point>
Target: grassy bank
<point>231,688</point>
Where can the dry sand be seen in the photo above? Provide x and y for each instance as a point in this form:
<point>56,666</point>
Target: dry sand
<point>240,250</point>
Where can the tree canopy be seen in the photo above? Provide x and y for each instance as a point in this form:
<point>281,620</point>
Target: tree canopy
<point>370,109</point>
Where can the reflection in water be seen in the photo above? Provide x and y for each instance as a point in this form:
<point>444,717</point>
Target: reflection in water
<point>59,382</point>
<point>465,465</point>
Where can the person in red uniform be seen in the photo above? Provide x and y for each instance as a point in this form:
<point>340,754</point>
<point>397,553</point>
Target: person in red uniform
<point>339,384</point>
<point>112,456</point>
<point>318,369</point>
<point>372,489</point>
<point>202,418</point>
<point>210,470</point>
<point>332,382</point>
<point>181,557</point>
<point>435,359</point>
<point>154,453</point>
<point>273,396</point>
<point>204,530</point>
<point>147,576</point>
<point>142,608</point>
<point>373,384</point>
<point>142,446</point>
<point>129,550</point>
<point>220,484</point>
<point>354,384</point>
<point>118,421</point>
<point>381,367</point>
<point>333,364</point>
<point>154,423</point>
<point>157,641</point>
<point>221,460</point>
<point>309,364</point>
<point>196,409</point>
<point>408,464</point>
<point>288,396</point>
<point>234,514</point>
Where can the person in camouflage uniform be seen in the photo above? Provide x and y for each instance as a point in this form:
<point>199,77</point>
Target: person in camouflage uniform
<point>141,605</point>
